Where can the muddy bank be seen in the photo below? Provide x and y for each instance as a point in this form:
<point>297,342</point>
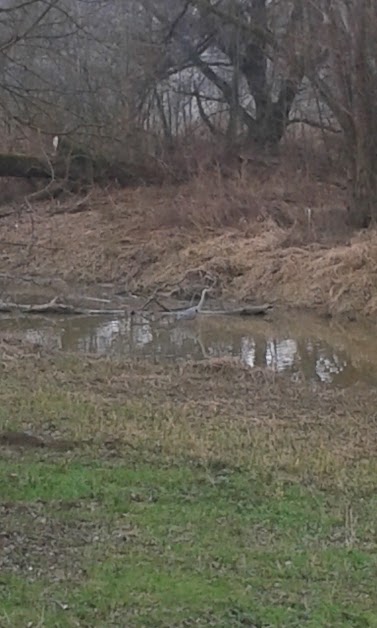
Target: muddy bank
<point>128,238</point>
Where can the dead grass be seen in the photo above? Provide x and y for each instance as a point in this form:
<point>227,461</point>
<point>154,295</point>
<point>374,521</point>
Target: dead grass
<point>262,191</point>
<point>275,231</point>
<point>212,411</point>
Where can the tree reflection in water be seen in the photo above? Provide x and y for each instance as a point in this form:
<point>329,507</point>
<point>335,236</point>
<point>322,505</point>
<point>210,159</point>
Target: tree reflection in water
<point>307,358</point>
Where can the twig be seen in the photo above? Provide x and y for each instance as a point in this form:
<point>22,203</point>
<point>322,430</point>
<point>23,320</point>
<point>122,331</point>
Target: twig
<point>314,124</point>
<point>97,299</point>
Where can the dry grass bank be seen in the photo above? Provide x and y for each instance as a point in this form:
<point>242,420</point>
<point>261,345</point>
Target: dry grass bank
<point>272,231</point>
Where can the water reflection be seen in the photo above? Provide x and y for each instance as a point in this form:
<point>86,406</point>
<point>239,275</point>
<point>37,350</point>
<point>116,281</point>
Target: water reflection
<point>257,343</point>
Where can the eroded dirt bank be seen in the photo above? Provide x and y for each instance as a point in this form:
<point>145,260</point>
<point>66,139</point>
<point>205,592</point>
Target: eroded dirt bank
<point>254,241</point>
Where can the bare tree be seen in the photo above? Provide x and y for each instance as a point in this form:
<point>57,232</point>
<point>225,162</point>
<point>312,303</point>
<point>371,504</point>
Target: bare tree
<point>244,54</point>
<point>347,82</point>
<point>72,67</point>
<point>119,77</point>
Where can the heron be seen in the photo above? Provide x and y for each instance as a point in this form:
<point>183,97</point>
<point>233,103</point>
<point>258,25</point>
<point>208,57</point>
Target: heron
<point>191,312</point>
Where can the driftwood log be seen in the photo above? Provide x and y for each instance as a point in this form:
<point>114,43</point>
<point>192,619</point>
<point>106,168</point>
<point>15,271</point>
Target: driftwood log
<point>57,307</point>
<point>252,310</point>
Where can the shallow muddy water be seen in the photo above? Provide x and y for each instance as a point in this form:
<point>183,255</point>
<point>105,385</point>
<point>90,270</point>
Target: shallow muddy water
<point>302,347</point>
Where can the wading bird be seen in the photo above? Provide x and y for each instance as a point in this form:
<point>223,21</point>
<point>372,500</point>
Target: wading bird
<point>191,312</point>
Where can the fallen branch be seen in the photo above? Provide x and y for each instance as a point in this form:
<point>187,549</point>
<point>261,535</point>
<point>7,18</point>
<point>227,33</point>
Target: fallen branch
<point>56,307</point>
<point>252,310</point>
<point>190,313</point>
<point>96,299</point>
<point>101,170</point>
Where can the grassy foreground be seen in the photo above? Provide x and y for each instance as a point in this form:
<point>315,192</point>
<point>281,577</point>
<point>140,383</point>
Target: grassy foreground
<point>207,495</point>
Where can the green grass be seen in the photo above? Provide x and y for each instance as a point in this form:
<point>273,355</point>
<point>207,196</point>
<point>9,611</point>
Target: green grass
<point>189,516</point>
<point>155,546</point>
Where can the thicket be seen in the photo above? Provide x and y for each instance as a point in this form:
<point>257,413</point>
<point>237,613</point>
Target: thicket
<point>175,85</point>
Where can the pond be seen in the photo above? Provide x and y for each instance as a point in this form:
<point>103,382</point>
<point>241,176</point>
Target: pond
<point>302,347</point>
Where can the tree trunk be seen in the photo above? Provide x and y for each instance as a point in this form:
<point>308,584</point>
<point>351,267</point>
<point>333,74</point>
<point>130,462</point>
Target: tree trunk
<point>362,209</point>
